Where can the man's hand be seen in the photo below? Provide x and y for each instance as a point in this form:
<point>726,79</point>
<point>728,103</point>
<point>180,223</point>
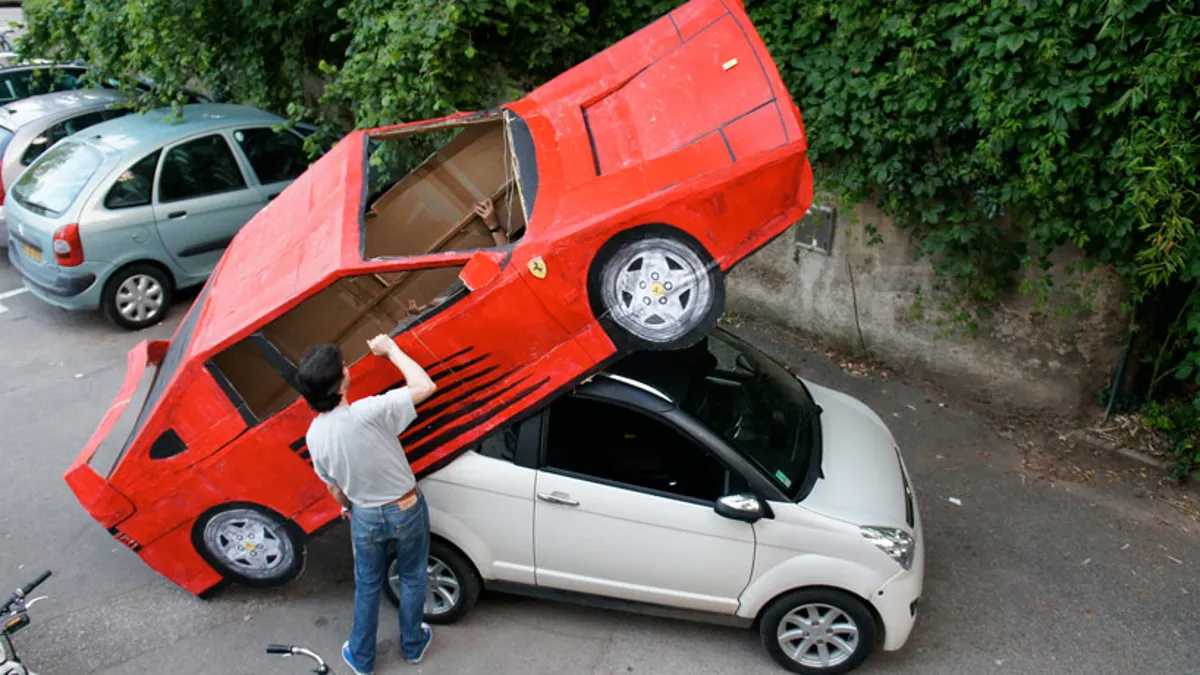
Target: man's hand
<point>487,214</point>
<point>382,345</point>
<point>419,384</point>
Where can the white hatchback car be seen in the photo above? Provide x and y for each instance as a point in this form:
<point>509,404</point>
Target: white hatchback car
<point>709,484</point>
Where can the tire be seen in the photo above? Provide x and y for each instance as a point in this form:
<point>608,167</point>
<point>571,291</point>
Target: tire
<point>250,544</point>
<point>634,287</point>
<point>447,567</point>
<point>137,296</point>
<point>846,631</point>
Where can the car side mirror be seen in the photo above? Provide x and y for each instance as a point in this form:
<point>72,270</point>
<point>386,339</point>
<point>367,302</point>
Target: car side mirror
<point>745,507</point>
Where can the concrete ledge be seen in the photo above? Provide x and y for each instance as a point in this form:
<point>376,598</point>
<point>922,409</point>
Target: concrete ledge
<point>873,292</point>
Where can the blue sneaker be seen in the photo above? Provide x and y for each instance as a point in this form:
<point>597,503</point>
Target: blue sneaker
<point>349,662</point>
<point>428,630</point>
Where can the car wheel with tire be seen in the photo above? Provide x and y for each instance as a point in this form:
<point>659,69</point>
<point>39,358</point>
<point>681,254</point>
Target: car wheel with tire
<point>655,287</point>
<point>250,544</point>
<point>453,584</point>
<point>818,631</point>
<point>137,296</point>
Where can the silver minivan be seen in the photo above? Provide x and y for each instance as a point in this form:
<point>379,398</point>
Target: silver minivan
<point>29,127</point>
<point>121,216</point>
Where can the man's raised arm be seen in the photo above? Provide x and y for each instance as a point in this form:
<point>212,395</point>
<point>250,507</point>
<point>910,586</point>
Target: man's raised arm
<point>420,386</point>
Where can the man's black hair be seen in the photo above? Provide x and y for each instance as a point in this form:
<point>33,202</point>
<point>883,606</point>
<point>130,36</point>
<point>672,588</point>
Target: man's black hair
<point>320,376</point>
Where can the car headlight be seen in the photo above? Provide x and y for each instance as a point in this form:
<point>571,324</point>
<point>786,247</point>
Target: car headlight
<point>896,543</point>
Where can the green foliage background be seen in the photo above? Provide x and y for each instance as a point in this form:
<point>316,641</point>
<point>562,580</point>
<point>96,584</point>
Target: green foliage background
<point>997,130</point>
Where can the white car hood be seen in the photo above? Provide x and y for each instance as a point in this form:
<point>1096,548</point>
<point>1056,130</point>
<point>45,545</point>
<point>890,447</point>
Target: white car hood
<point>863,483</point>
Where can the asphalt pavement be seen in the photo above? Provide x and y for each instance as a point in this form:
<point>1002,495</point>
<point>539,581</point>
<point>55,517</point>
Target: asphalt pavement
<point>1026,574</point>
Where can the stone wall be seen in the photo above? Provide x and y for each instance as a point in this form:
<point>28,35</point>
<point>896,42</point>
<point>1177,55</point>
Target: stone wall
<point>1054,354</point>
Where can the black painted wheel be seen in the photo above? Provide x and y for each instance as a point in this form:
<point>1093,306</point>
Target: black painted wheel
<point>655,287</point>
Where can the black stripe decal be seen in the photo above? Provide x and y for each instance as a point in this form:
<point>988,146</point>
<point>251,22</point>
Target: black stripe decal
<point>438,409</point>
<point>454,369</point>
<point>454,432</point>
<point>442,392</point>
<point>453,356</point>
<point>529,410</point>
<point>414,435</point>
<point>298,444</point>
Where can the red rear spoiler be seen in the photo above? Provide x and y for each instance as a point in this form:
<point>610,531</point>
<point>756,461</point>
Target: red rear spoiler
<point>94,493</point>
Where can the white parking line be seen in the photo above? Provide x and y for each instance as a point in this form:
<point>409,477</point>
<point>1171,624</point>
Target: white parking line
<point>8,294</point>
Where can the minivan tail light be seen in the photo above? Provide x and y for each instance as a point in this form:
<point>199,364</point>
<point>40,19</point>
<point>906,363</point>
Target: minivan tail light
<point>68,249</point>
<point>2,192</point>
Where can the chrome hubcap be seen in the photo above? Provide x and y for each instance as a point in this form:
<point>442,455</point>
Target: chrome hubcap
<point>248,542</point>
<point>817,635</point>
<point>140,298</point>
<point>656,289</point>
<point>442,591</point>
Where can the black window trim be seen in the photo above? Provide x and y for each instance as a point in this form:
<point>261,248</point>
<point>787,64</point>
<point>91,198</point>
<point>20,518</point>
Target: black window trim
<point>625,396</point>
<point>166,150</point>
<point>522,142</point>
<point>242,151</point>
<point>274,357</point>
<point>235,397</point>
<point>158,154</point>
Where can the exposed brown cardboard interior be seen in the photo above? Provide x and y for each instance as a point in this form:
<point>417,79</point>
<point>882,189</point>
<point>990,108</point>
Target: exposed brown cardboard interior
<point>346,313</point>
<point>432,208</point>
<point>429,210</point>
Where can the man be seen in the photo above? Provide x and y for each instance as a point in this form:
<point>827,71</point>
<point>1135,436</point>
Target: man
<point>355,450</point>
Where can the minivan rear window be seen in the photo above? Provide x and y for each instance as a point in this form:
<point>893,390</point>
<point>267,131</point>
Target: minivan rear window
<point>51,185</point>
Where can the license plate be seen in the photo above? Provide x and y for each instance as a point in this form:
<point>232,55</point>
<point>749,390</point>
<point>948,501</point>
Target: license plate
<point>31,253</point>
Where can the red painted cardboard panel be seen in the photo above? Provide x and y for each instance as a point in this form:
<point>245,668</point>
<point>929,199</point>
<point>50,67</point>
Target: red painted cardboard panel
<point>705,83</point>
<point>758,131</point>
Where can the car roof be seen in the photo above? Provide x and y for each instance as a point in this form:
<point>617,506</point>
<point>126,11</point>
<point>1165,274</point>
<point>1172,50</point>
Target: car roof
<point>41,64</point>
<point>144,132</point>
<point>23,111</point>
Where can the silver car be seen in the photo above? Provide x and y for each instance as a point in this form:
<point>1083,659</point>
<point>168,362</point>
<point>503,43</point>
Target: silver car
<point>30,126</point>
<point>31,79</point>
<point>121,216</point>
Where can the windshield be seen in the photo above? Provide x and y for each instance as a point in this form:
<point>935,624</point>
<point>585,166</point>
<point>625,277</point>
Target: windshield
<point>752,402</point>
<point>760,408</point>
<point>56,178</point>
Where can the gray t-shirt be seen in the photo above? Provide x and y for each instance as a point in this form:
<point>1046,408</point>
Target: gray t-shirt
<point>355,448</point>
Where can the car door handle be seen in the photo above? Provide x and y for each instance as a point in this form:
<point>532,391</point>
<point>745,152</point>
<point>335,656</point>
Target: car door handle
<point>176,214</point>
<point>558,498</point>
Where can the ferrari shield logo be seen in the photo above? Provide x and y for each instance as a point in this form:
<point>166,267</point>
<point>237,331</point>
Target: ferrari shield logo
<point>537,267</point>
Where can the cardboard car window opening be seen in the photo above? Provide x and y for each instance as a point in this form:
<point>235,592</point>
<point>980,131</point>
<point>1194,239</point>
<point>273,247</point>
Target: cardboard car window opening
<point>623,190</point>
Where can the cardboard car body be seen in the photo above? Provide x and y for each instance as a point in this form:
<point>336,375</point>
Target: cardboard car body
<point>683,131</point>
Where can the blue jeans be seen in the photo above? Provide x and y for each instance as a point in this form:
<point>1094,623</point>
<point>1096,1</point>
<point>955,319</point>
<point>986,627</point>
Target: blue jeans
<point>372,529</point>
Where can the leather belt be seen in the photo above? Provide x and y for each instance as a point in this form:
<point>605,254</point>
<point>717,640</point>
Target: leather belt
<point>406,500</point>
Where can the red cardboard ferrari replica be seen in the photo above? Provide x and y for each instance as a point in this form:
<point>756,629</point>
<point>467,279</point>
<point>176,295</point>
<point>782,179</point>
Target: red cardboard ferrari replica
<point>621,193</point>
